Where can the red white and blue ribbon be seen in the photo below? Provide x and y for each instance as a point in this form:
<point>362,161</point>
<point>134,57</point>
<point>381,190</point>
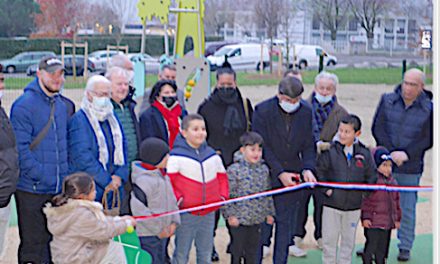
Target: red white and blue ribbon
<point>345,186</point>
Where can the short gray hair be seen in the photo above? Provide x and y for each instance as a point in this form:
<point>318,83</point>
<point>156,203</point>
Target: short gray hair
<point>118,71</point>
<point>327,75</point>
<point>95,79</point>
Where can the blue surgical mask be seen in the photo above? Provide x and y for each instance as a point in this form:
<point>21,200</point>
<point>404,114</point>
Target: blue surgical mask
<point>101,102</point>
<point>289,107</point>
<point>323,99</point>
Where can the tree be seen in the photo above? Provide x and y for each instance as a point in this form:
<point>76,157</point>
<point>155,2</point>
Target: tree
<point>123,11</point>
<point>331,13</point>
<point>17,17</point>
<point>217,13</point>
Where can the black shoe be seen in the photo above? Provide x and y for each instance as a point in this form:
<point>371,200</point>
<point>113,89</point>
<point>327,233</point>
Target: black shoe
<point>214,256</point>
<point>360,252</point>
<point>404,255</point>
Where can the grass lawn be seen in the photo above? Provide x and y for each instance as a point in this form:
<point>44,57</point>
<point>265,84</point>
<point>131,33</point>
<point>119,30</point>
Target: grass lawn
<point>346,75</point>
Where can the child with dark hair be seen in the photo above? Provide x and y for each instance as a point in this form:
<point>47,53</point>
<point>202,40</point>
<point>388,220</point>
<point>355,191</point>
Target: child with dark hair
<point>347,161</point>
<point>81,232</point>
<point>248,175</point>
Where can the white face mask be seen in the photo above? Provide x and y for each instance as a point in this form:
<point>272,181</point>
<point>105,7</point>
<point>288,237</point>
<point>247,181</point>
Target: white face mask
<point>289,107</point>
<point>101,102</point>
<point>323,99</point>
<point>102,107</point>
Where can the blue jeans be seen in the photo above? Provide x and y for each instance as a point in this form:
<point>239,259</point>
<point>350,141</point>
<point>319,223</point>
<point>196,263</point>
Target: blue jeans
<point>198,229</point>
<point>408,200</point>
<point>155,246</point>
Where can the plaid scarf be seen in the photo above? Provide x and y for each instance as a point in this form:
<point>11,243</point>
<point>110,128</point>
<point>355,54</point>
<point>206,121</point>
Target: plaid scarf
<point>321,112</point>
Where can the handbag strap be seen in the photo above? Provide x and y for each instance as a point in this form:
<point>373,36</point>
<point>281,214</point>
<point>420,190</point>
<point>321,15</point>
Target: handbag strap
<point>37,140</point>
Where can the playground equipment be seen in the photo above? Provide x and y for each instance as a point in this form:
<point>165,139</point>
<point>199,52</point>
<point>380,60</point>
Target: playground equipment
<point>192,71</point>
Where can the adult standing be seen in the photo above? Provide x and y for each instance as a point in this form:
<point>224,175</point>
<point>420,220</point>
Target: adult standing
<point>39,118</point>
<point>227,116</point>
<point>327,113</point>
<point>285,122</point>
<point>403,125</point>
<point>123,106</point>
<point>8,166</point>
<point>96,141</point>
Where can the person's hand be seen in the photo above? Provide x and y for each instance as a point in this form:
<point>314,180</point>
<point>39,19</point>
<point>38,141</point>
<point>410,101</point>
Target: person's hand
<point>288,178</point>
<point>399,157</point>
<point>308,176</point>
<point>116,181</point>
<point>270,220</point>
<point>322,146</point>
<point>164,233</point>
<point>329,192</point>
<point>366,223</point>
<point>233,221</point>
<point>397,225</point>
<point>129,218</point>
<point>172,229</point>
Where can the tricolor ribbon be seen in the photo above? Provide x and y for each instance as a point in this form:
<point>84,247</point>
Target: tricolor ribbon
<point>345,186</point>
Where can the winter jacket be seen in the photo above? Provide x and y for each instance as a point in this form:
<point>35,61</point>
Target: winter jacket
<point>42,169</point>
<point>245,179</point>
<point>84,154</point>
<point>8,160</point>
<point>81,232</point>
<point>283,151</point>
<point>397,127</point>
<point>332,166</point>
<point>331,125</point>
<point>197,175</point>
<point>156,197</point>
<point>214,115</point>
<point>382,208</point>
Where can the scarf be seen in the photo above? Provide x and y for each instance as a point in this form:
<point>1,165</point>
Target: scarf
<point>233,123</point>
<point>321,112</point>
<point>94,117</point>
<point>171,117</point>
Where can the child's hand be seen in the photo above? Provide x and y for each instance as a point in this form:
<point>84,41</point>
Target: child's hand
<point>366,223</point>
<point>172,229</point>
<point>233,221</point>
<point>129,218</point>
<point>164,233</point>
<point>270,220</point>
<point>397,225</point>
<point>329,192</point>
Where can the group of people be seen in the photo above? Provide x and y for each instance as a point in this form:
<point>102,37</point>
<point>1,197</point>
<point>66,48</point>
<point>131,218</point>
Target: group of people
<point>165,159</point>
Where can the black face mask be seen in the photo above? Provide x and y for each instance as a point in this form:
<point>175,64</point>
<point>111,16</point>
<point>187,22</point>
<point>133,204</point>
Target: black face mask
<point>227,93</point>
<point>169,100</point>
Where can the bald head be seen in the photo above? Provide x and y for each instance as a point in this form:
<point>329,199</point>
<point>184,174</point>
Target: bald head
<point>122,61</point>
<point>412,85</point>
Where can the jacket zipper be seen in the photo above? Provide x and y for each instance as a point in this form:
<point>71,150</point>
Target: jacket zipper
<point>56,151</point>
<point>203,178</point>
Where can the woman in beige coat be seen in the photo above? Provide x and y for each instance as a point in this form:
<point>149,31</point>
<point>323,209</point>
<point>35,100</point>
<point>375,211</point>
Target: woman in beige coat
<point>81,232</point>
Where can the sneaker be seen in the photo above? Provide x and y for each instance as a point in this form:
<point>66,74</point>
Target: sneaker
<point>266,251</point>
<point>297,252</point>
<point>298,240</point>
<point>319,242</point>
<point>360,252</point>
<point>404,255</point>
<point>214,256</point>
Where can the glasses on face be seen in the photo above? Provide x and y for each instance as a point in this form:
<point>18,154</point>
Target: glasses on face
<point>101,94</point>
<point>410,83</point>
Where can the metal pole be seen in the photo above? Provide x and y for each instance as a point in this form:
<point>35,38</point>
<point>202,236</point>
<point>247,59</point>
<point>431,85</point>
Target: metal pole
<point>165,38</point>
<point>144,23</point>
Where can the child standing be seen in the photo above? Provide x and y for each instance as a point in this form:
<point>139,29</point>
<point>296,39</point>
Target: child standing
<point>380,211</point>
<point>198,177</point>
<point>81,232</point>
<point>347,161</point>
<point>248,175</point>
<point>152,194</point>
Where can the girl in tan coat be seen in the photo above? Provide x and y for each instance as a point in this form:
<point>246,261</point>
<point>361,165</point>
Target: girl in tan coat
<point>81,232</point>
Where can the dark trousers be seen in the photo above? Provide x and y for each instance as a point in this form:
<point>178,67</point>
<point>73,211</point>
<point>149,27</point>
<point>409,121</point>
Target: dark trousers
<point>286,212</point>
<point>32,228</point>
<point>245,243</point>
<point>156,247</point>
<point>303,209</point>
<point>376,246</point>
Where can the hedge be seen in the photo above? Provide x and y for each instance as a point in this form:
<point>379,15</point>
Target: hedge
<point>154,45</point>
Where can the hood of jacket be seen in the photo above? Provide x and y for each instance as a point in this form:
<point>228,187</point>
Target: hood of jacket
<point>181,147</point>
<point>138,171</point>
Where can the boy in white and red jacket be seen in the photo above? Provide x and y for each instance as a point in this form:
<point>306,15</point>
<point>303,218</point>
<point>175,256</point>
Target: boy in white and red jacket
<point>198,177</point>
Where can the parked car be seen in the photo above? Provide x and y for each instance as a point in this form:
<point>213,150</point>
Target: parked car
<point>152,65</point>
<point>68,65</point>
<point>21,61</point>
<point>212,47</point>
<point>308,55</point>
<point>100,57</point>
<point>244,56</point>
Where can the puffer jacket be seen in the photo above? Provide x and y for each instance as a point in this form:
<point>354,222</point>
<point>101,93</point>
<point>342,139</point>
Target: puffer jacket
<point>8,160</point>
<point>397,127</point>
<point>382,208</point>
<point>332,166</point>
<point>41,170</point>
<point>245,179</point>
<point>81,232</point>
<point>158,196</point>
<point>197,176</point>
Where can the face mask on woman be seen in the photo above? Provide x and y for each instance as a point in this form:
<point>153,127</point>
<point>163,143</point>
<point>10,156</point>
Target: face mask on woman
<point>169,100</point>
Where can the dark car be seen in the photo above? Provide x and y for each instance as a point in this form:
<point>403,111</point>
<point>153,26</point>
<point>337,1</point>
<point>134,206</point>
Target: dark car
<point>68,65</point>
<point>212,47</point>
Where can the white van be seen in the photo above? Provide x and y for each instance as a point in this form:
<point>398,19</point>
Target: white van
<point>245,56</point>
<point>308,56</point>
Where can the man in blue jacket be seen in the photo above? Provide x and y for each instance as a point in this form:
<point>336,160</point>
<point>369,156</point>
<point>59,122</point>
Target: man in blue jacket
<point>285,123</point>
<point>403,125</point>
<point>39,118</point>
